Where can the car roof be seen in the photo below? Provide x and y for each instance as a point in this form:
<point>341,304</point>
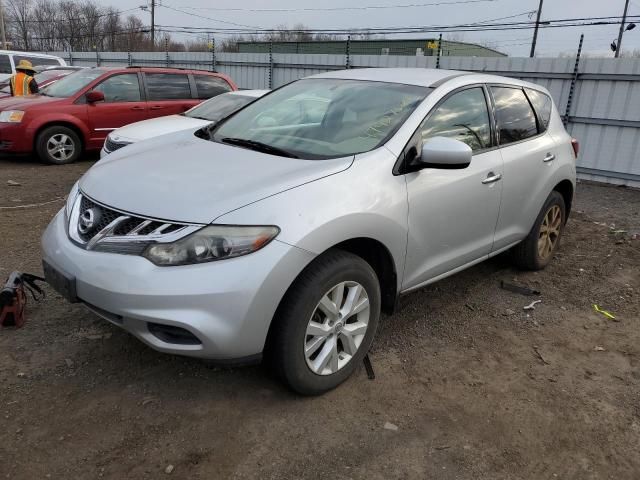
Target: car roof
<point>249,93</point>
<point>425,77</point>
<point>17,52</point>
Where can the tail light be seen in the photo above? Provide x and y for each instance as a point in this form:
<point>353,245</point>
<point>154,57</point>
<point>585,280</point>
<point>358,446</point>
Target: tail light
<point>576,147</point>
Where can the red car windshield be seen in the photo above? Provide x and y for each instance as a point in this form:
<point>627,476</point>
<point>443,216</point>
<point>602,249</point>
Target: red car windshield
<point>72,84</point>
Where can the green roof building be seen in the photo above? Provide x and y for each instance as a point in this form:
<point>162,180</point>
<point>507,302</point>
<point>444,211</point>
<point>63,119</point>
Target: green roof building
<point>420,47</point>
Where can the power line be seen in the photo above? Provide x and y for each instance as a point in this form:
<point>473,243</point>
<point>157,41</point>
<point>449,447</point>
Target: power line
<point>468,27</point>
<point>334,9</point>
<point>208,18</point>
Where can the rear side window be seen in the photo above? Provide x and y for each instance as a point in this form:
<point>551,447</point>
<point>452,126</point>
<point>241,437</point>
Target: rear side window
<point>167,86</point>
<point>463,116</point>
<point>5,64</point>
<point>209,86</point>
<point>36,61</point>
<point>542,104</point>
<point>514,115</point>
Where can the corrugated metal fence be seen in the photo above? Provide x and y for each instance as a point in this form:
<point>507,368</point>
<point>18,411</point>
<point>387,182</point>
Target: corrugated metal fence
<point>604,113</point>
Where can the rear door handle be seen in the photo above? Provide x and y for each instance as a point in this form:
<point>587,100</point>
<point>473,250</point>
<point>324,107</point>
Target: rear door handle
<point>549,158</point>
<point>137,108</point>
<point>492,177</point>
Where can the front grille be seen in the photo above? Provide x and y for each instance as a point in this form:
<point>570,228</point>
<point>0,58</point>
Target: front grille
<point>106,216</point>
<point>97,227</point>
<point>112,146</point>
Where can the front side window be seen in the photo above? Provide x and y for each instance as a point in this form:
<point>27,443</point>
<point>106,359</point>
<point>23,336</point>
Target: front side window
<point>5,64</point>
<point>209,86</point>
<point>543,104</point>
<point>323,118</point>
<point>120,88</point>
<point>168,86</point>
<point>72,84</point>
<point>463,116</point>
<point>514,116</point>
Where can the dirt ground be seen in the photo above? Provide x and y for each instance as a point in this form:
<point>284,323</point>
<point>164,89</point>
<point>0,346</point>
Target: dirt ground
<point>477,387</point>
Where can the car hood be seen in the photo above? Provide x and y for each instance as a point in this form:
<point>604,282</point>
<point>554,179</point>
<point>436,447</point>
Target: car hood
<point>184,178</point>
<point>157,126</point>
<point>20,103</point>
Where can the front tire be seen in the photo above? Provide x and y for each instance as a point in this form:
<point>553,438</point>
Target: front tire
<point>536,251</point>
<point>326,323</point>
<point>58,145</point>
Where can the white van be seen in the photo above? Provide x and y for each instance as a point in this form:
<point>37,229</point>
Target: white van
<point>9,59</point>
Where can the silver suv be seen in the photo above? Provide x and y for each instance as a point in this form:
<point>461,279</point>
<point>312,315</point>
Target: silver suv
<point>288,227</point>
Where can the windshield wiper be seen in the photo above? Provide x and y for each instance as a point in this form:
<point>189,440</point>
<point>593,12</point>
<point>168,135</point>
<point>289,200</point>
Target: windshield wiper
<point>258,146</point>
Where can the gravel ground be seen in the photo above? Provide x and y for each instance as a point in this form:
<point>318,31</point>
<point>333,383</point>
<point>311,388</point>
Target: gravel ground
<point>468,386</point>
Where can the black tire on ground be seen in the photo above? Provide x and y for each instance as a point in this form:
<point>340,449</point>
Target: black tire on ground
<point>285,349</point>
<point>54,133</point>
<point>526,254</point>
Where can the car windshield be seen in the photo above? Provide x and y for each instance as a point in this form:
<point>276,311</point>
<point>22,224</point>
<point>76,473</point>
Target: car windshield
<point>219,107</point>
<point>322,118</point>
<point>72,84</point>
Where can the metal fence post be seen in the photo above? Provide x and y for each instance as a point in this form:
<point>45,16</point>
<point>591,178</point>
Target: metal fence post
<point>70,56</point>
<point>270,65</point>
<point>439,51</point>
<point>213,55</point>
<point>166,51</point>
<point>97,57</point>
<point>129,59</point>
<point>574,79</point>
<point>348,53</point>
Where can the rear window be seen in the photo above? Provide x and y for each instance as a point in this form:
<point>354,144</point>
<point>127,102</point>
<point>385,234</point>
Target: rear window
<point>515,117</point>
<point>167,86</point>
<point>5,64</point>
<point>209,86</point>
<point>36,61</point>
<point>542,104</point>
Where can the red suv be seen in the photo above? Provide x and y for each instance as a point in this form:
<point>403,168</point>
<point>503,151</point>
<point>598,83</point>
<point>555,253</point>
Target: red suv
<point>78,112</point>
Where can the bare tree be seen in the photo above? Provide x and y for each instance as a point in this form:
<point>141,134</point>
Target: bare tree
<point>20,17</point>
<point>111,26</point>
<point>46,26</point>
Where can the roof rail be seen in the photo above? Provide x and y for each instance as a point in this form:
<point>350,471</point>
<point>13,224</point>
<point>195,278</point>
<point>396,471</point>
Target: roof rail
<point>172,68</point>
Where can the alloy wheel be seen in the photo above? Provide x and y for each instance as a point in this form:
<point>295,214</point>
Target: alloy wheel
<point>337,328</point>
<point>60,146</point>
<point>549,231</point>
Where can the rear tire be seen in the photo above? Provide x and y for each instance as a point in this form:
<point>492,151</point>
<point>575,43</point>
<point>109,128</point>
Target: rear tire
<point>58,145</point>
<point>326,323</point>
<point>536,251</point>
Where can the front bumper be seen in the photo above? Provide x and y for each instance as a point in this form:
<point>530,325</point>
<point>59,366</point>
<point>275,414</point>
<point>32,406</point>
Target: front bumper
<point>227,305</point>
<point>15,138</point>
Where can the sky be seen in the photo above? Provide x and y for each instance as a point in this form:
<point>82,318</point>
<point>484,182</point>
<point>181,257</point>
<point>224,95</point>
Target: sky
<point>551,41</point>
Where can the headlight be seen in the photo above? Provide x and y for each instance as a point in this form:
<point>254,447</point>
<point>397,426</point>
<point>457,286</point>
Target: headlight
<point>216,242</point>
<point>71,199</point>
<point>11,116</point>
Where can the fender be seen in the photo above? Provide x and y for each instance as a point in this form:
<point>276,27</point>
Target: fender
<point>340,207</point>
<point>42,121</point>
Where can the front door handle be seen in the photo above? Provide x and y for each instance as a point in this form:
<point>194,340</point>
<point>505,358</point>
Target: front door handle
<point>157,107</point>
<point>492,177</point>
<point>137,108</point>
<point>549,158</point>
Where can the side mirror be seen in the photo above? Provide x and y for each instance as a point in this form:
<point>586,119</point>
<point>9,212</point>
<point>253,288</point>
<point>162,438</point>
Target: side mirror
<point>94,96</point>
<point>443,153</point>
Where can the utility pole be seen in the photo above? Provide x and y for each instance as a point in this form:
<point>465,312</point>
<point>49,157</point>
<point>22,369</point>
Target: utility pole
<point>2,32</point>
<point>535,31</point>
<point>153,25</point>
<point>624,19</point>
